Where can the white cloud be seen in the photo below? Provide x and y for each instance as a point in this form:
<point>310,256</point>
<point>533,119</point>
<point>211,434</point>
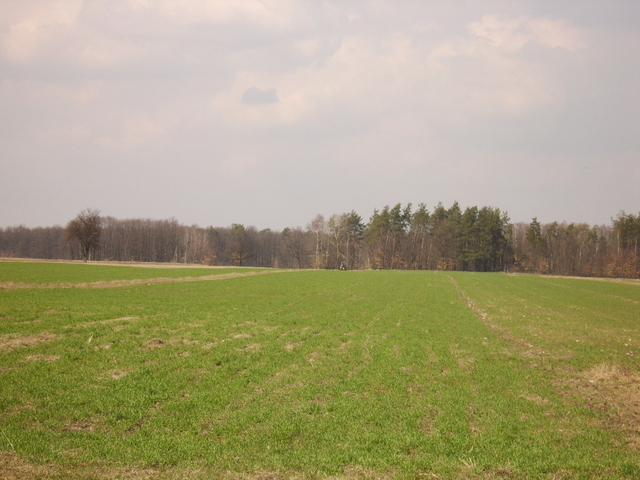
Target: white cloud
<point>487,74</point>
<point>558,33</point>
<point>255,96</point>
<point>510,34</point>
<point>62,134</point>
<point>33,25</point>
<point>275,14</point>
<point>480,75</point>
<point>502,32</point>
<point>51,32</point>
<point>137,128</point>
<point>365,76</point>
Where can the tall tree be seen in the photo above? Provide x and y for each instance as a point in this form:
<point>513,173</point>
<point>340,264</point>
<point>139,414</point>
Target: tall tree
<point>536,243</point>
<point>242,245</point>
<point>295,245</point>
<point>419,232</point>
<point>377,236</point>
<point>385,237</point>
<point>627,231</point>
<point>318,228</point>
<point>353,229</point>
<point>445,231</point>
<point>344,234</point>
<point>85,229</point>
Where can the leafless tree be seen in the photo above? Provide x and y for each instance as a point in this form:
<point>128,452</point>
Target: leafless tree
<point>318,228</point>
<point>295,245</point>
<point>85,229</point>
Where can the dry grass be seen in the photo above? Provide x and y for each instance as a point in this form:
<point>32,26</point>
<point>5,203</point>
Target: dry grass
<point>42,358</point>
<point>538,400</point>
<point>602,373</point>
<point>615,394</point>
<point>11,341</point>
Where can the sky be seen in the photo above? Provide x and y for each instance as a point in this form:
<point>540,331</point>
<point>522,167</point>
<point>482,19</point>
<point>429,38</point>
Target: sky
<point>270,112</point>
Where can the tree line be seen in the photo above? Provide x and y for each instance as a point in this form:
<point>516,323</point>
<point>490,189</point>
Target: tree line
<point>398,237</point>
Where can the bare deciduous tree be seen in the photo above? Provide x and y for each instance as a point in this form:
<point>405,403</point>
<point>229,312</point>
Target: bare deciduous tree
<point>85,229</point>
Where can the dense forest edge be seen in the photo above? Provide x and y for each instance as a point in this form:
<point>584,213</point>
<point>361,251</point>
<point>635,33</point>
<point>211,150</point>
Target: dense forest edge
<point>476,239</point>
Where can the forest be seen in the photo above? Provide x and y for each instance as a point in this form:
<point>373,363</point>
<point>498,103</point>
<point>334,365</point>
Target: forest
<point>399,237</point>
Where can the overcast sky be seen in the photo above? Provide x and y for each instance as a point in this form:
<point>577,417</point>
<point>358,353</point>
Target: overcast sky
<point>269,112</point>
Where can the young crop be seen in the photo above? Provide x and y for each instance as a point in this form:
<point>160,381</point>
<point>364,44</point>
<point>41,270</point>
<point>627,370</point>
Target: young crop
<point>316,374</point>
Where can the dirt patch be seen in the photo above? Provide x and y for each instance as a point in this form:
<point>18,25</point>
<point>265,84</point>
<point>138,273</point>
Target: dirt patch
<point>42,358</point>
<point>315,357</point>
<point>81,426</point>
<point>254,476</point>
<point>535,399</point>
<point>242,335</point>
<point>154,343</point>
<point>104,322</point>
<point>120,319</point>
<point>353,472</point>
<point>118,373</point>
<point>464,360</point>
<point>175,342</point>
<point>119,264</point>
<point>13,467</point>
<point>254,347</point>
<point>290,346</point>
<point>614,393</point>
<point>602,372</point>
<point>624,281</point>
<point>12,341</point>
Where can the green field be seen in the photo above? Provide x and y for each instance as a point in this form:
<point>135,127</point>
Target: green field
<point>316,374</point>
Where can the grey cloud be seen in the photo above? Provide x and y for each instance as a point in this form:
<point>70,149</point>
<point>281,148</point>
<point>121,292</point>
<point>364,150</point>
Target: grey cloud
<point>386,101</point>
<point>255,96</point>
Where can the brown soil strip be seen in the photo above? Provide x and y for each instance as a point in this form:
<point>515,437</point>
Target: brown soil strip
<point>625,281</point>
<point>135,282</point>
<point>119,264</point>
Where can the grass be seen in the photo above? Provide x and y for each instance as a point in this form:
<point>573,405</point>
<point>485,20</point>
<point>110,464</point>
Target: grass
<point>318,374</point>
